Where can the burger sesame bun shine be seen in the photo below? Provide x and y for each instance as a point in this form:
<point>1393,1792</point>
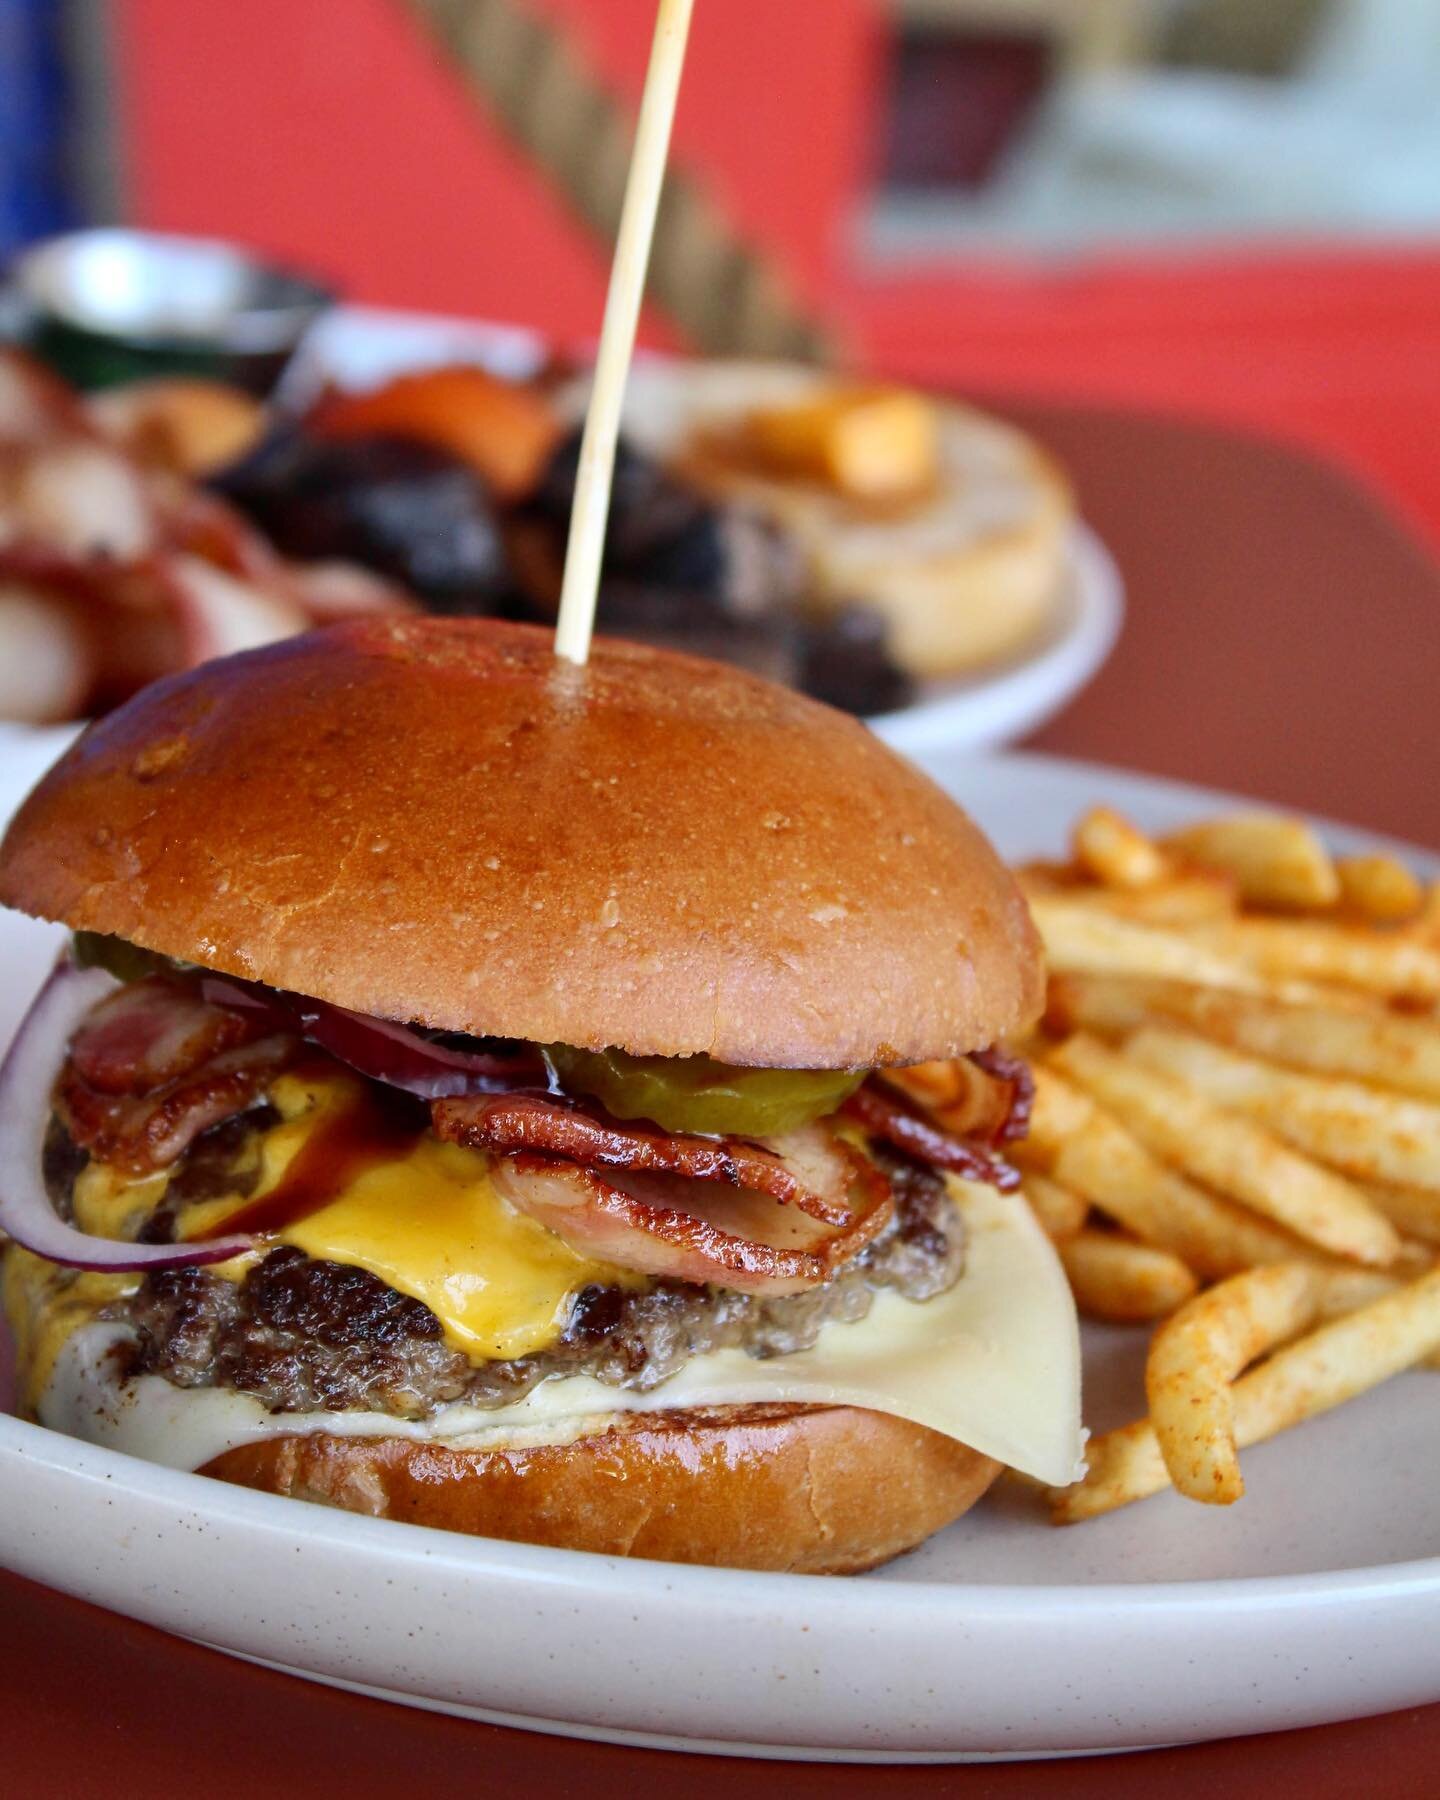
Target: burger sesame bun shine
<point>434,820</point>
<point>811,1490</point>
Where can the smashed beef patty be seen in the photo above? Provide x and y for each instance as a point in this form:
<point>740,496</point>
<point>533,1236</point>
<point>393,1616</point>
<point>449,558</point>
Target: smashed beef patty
<point>305,1336</point>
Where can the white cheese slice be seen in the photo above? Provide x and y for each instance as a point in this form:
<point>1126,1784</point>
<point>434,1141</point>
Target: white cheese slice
<point>995,1363</point>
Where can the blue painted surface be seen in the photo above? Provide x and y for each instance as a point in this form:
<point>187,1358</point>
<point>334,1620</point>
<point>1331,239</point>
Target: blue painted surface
<point>36,191</point>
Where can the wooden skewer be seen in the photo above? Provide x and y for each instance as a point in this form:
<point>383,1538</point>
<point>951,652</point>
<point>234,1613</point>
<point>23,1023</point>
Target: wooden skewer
<point>586,544</point>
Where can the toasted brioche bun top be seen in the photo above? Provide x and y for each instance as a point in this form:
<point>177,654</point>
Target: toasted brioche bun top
<point>435,820</point>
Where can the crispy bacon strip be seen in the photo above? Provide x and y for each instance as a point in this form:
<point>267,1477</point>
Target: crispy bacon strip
<point>333,589</point>
<point>687,1230</point>
<point>154,1065</point>
<point>984,1097</point>
<point>151,1032</point>
<point>955,1095</point>
<point>143,1133</point>
<point>1015,1072</point>
<point>885,1112</point>
<point>77,497</point>
<point>200,523</point>
<point>810,1169</point>
<point>35,405</point>
<point>159,572</point>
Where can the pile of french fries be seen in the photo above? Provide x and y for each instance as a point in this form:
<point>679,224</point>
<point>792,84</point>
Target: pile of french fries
<point>1236,1130</point>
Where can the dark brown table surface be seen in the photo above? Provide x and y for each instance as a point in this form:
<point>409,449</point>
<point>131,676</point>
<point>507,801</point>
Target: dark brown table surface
<point>1283,640</point>
<point>1284,631</point>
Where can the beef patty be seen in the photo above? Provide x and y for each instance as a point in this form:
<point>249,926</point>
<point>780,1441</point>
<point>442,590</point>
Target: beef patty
<point>310,1336</point>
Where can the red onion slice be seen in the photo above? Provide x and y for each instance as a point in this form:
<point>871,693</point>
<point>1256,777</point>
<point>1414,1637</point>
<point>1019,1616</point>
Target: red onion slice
<point>27,1079</point>
<point>392,1053</point>
<point>381,1049</point>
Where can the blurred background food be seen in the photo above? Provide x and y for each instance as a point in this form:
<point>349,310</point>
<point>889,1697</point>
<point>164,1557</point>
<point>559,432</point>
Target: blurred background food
<point>151,523</point>
<point>115,566</point>
<point>1228,208</point>
<point>948,525</point>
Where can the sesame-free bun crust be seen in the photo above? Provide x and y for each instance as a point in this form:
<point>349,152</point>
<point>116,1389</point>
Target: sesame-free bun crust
<point>818,1491</point>
<point>435,820</point>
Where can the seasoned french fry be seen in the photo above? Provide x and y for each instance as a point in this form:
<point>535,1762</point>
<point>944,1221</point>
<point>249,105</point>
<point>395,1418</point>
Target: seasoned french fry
<point>1231,1153</point>
<point>1046,877</point>
<point>1195,898</point>
<point>1379,888</point>
<point>1371,1134</point>
<point>1415,1259</point>
<point>1060,1212</point>
<point>1303,1379</point>
<point>1415,1211</point>
<point>1115,1005</point>
<point>1278,861</point>
<point>1085,1149</point>
<point>1342,1359</point>
<point>1212,1236</point>
<point>1122,1466</point>
<point>1083,937</point>
<point>1196,1356</point>
<point>1366,1044</point>
<point>1117,853</point>
<point>1345,1290</point>
<point>1060,1112</point>
<point>1395,964</point>
<point>1115,1278</point>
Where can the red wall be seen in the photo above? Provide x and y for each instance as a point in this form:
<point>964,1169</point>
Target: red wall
<point>1336,350</point>
<point>776,109</point>
<point>330,131</point>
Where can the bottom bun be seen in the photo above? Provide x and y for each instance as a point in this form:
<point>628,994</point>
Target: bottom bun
<point>813,1490</point>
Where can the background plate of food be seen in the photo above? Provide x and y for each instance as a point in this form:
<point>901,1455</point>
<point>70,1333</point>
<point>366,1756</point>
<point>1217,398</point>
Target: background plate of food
<point>1265,970</point>
<point>906,557</point>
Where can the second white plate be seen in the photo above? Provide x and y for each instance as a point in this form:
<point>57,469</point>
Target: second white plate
<point>363,346</point>
<point>998,704</point>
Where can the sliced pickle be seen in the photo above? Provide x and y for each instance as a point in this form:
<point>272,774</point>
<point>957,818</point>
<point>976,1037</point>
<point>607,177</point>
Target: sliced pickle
<point>695,1093</point>
<point>125,961</point>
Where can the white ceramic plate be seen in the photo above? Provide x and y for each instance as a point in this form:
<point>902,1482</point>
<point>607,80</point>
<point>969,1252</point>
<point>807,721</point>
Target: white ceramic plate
<point>1003,702</point>
<point>358,347</point>
<point>1317,1598</point>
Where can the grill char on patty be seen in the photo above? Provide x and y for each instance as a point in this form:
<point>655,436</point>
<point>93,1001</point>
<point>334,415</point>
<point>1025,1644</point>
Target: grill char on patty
<point>307,1336</point>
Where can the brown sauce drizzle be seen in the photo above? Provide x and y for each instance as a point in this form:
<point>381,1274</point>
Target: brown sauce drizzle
<point>381,1126</point>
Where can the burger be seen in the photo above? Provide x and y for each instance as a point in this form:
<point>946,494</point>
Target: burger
<point>561,1104</point>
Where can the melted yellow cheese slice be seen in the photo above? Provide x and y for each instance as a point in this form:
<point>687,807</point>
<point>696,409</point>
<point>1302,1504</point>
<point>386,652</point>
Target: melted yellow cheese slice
<point>995,1362</point>
<point>433,1226</point>
<point>108,1203</point>
<point>428,1222</point>
<point>45,1305</point>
